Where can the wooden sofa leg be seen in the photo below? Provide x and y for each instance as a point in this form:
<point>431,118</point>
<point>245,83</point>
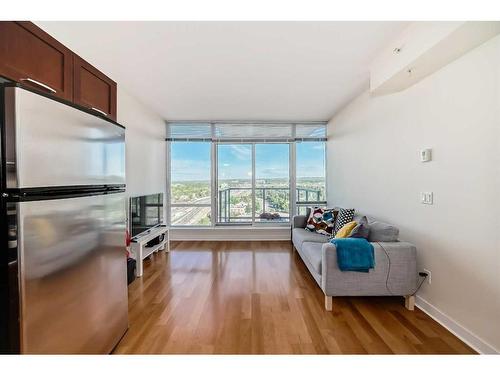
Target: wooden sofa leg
<point>328,303</point>
<point>410,302</point>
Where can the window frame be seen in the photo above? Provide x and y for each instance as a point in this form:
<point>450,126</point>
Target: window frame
<point>294,204</point>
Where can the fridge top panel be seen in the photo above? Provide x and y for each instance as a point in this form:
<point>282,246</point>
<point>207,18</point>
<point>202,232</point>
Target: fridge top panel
<point>50,143</point>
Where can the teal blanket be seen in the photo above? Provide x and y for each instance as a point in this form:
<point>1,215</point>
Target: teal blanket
<point>354,254</point>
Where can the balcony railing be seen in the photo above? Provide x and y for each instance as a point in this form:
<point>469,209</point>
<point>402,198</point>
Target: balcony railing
<point>275,207</point>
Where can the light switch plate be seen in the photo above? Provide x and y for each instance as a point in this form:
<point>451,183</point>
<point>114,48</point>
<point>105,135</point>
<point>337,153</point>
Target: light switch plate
<point>427,197</point>
<point>425,155</point>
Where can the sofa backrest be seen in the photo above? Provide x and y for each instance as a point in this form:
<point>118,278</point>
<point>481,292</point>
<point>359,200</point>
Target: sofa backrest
<point>379,231</point>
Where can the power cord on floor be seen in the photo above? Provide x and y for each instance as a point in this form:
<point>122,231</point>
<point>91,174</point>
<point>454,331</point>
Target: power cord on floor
<point>423,275</point>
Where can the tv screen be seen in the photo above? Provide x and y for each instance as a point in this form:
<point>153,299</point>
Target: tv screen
<point>145,212</point>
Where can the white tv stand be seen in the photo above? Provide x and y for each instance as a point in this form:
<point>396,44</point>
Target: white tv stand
<point>141,252</point>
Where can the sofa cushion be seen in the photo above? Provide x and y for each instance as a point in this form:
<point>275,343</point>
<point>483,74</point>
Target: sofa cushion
<point>299,221</point>
<point>312,252</point>
<point>346,230</point>
<point>344,216</point>
<point>382,232</point>
<point>362,229</point>
<point>300,235</point>
<point>321,221</point>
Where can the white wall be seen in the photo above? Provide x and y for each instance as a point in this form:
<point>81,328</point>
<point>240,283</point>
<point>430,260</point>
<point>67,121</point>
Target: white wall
<point>145,146</point>
<point>373,166</point>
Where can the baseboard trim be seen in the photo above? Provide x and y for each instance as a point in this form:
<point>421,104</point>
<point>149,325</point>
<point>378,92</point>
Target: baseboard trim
<point>455,328</point>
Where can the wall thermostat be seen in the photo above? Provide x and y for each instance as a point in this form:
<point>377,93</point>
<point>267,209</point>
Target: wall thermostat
<point>426,155</point>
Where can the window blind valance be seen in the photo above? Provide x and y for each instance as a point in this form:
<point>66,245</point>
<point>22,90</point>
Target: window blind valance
<point>246,131</point>
<point>189,131</point>
<point>310,131</point>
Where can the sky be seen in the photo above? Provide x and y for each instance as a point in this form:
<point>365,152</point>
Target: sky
<point>190,161</point>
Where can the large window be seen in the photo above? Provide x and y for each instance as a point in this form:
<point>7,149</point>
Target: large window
<point>254,170</point>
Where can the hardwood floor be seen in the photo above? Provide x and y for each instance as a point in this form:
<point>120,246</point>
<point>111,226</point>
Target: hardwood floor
<point>258,297</point>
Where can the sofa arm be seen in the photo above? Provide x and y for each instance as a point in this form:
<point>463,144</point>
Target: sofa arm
<point>403,276</point>
<point>329,268</point>
<point>398,260</point>
<point>299,221</point>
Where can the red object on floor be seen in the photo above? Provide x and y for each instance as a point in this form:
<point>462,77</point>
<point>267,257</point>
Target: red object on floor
<point>128,240</point>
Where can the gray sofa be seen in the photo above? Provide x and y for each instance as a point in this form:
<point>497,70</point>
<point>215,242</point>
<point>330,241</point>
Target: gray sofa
<point>395,271</point>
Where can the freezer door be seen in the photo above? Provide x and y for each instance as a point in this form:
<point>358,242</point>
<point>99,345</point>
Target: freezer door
<point>72,274</point>
<point>49,143</point>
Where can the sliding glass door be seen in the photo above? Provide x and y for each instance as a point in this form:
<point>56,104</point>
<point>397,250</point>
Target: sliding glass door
<point>272,182</point>
<point>243,198</point>
<point>234,183</point>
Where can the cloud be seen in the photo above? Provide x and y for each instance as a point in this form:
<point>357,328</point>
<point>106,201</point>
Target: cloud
<point>242,152</point>
<point>190,170</point>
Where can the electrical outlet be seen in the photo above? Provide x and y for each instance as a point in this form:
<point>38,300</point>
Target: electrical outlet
<point>429,276</point>
<point>427,197</point>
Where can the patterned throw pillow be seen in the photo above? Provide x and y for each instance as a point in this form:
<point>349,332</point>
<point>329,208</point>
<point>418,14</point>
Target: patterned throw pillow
<point>344,216</point>
<point>321,221</point>
<point>362,230</point>
<point>346,230</point>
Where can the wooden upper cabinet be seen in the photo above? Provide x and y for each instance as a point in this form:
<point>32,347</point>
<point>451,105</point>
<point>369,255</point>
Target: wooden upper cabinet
<point>32,57</point>
<point>93,89</point>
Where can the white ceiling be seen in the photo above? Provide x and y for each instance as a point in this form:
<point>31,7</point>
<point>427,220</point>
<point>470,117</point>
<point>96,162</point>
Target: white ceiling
<point>233,70</point>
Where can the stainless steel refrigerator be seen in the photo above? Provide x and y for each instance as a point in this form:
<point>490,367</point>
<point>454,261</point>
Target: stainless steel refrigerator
<point>63,281</point>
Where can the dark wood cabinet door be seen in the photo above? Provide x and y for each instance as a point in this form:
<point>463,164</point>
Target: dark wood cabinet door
<point>32,57</point>
<point>93,89</point>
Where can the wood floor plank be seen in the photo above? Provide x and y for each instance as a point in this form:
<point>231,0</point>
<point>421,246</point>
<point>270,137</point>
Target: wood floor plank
<point>369,338</point>
<point>258,298</point>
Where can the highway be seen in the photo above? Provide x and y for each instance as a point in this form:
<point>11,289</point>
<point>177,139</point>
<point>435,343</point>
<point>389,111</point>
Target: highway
<point>190,215</point>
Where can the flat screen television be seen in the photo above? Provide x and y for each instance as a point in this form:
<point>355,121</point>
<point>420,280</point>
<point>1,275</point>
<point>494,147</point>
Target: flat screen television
<point>146,212</point>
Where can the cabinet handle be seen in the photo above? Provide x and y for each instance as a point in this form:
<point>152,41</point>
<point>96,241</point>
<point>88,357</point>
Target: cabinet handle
<point>98,110</point>
<point>46,87</point>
